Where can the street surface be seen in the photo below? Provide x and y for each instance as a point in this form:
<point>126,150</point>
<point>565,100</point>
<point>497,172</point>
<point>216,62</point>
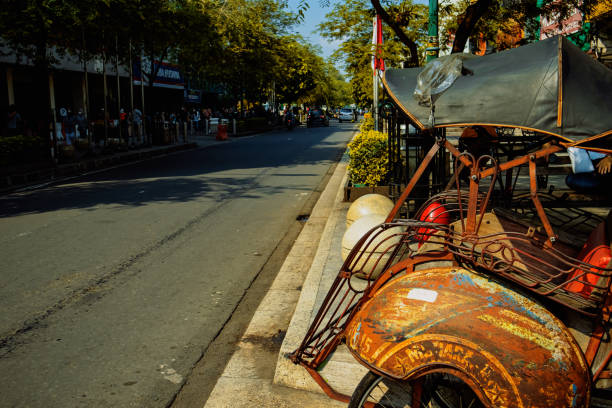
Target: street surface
<point>114,285</point>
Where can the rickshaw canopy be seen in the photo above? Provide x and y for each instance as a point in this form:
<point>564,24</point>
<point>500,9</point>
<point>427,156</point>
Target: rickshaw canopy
<point>549,86</point>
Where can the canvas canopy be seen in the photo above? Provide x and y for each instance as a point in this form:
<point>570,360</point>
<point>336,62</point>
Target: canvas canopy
<point>550,86</point>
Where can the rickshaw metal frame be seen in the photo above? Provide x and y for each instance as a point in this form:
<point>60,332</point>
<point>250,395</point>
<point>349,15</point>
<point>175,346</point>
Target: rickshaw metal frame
<point>320,341</point>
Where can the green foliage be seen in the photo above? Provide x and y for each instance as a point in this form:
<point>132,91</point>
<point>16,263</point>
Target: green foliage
<point>350,24</point>
<point>510,17</point>
<point>242,46</point>
<point>13,149</point>
<point>369,158</point>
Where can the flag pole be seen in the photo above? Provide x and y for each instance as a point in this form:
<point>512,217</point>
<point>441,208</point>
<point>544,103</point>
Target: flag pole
<point>375,73</point>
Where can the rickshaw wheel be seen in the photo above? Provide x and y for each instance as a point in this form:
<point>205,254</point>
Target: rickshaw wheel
<point>440,390</point>
<point>381,391</point>
<point>447,391</point>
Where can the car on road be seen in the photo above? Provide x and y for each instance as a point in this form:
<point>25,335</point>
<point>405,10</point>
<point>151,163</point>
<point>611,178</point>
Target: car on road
<point>316,117</point>
<point>347,115</point>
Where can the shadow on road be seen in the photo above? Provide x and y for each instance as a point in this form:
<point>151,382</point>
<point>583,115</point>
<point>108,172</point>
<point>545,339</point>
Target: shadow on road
<point>219,173</point>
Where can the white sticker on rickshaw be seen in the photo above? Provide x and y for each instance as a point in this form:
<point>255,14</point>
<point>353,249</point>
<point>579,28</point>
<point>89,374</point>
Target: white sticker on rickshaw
<point>423,294</point>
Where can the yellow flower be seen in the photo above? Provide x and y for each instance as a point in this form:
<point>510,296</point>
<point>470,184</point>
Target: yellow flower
<point>369,158</point>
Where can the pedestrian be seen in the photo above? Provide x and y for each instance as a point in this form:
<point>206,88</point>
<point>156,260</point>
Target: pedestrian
<point>82,124</point>
<point>123,124</point>
<point>14,121</point>
<point>137,117</point>
<point>196,119</point>
<point>69,123</point>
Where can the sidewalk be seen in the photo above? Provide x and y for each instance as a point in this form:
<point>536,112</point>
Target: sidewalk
<point>259,374</point>
<point>30,178</point>
<point>20,180</point>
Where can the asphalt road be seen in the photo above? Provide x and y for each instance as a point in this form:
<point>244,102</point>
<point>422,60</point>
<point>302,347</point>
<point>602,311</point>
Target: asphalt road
<point>114,285</point>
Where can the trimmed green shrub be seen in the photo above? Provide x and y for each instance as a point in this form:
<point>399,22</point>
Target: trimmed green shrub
<point>369,158</point>
<point>15,149</point>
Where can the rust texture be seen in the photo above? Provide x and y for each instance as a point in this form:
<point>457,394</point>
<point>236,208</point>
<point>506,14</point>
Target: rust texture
<point>516,352</point>
<point>453,297</point>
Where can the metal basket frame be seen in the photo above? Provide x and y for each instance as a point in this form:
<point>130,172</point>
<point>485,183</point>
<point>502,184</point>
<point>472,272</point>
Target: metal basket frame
<point>525,258</point>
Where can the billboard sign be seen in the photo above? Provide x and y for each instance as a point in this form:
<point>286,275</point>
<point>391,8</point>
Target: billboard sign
<point>168,75</point>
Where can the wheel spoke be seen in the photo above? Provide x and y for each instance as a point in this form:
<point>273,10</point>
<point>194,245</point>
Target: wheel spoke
<point>440,391</point>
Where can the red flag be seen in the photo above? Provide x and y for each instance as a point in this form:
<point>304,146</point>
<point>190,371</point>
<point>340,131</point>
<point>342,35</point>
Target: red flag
<point>378,63</point>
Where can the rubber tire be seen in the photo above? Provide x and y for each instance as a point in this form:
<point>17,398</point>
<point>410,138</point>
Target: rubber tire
<point>370,380</point>
<point>367,383</point>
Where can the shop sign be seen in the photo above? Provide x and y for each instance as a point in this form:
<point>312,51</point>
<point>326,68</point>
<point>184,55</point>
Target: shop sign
<point>168,75</point>
<point>193,95</point>
<point>550,25</point>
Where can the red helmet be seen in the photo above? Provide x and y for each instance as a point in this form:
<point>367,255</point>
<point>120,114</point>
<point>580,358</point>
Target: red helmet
<point>434,212</point>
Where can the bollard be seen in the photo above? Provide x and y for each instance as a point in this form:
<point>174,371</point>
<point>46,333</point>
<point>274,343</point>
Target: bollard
<point>221,132</point>
<point>185,132</point>
<point>234,133</point>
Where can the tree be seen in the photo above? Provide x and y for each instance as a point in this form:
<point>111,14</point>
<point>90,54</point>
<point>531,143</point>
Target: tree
<point>249,36</point>
<point>299,70</point>
<point>242,44</point>
<point>350,23</point>
<point>29,28</point>
<point>333,90</point>
<point>483,15</point>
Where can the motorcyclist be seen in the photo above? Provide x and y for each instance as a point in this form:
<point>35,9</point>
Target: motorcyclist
<point>290,119</point>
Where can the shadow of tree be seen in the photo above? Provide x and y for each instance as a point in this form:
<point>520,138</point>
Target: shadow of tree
<point>217,173</point>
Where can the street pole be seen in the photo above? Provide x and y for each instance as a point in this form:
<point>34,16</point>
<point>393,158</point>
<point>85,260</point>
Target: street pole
<point>105,85</point>
<point>54,155</point>
<point>10,86</point>
<point>539,5</point>
<point>86,89</point>
<point>433,45</point>
<point>118,87</point>
<point>375,78</point>
<point>142,100</point>
<point>133,135</point>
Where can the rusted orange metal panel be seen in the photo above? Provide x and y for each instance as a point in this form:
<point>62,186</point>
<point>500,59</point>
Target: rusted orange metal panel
<point>512,350</point>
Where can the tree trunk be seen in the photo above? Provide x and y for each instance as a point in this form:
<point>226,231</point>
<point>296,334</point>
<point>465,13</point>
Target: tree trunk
<point>470,18</point>
<point>414,53</point>
<point>105,90</point>
<point>120,130</point>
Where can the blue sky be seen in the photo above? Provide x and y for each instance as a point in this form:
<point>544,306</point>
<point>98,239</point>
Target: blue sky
<point>313,16</point>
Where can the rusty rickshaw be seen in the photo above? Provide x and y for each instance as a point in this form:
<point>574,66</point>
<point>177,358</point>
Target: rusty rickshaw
<point>479,306</point>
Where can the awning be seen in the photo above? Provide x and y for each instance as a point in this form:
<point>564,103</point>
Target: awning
<point>550,86</point>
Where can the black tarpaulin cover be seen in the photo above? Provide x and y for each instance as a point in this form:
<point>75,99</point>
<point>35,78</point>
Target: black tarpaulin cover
<point>550,86</point>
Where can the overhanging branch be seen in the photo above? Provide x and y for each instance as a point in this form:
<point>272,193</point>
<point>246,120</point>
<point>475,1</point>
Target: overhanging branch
<point>414,56</point>
<point>471,16</point>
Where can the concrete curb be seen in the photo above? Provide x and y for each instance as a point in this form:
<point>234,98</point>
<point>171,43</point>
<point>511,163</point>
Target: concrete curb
<point>341,371</point>
<point>287,373</point>
<point>243,382</point>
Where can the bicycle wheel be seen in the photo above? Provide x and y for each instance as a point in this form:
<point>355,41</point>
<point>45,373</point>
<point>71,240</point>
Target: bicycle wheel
<point>440,390</point>
<point>382,392</point>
